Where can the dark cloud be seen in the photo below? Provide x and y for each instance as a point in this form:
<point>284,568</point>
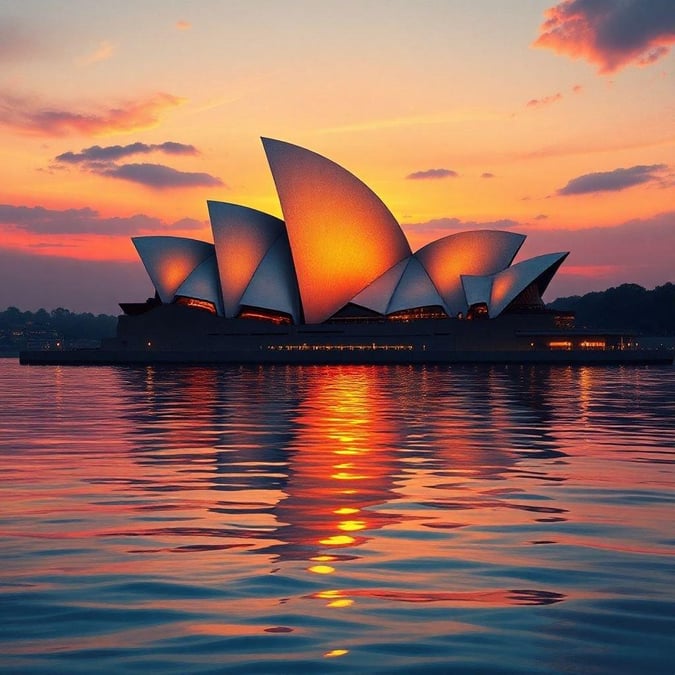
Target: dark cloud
<point>610,33</point>
<point>541,216</point>
<point>111,153</point>
<point>39,220</point>
<point>25,115</point>
<point>101,160</point>
<point>546,100</point>
<point>612,181</point>
<point>487,174</point>
<point>159,176</point>
<point>432,174</point>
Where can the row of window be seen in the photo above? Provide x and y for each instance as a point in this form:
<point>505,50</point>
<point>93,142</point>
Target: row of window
<point>339,348</point>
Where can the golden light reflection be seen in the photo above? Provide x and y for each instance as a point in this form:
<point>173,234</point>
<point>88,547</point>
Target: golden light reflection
<point>321,569</point>
<point>337,540</point>
<point>344,475</point>
<point>340,410</point>
<point>336,652</point>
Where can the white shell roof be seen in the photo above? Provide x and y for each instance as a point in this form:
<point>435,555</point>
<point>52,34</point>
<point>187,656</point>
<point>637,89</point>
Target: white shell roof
<point>342,236</point>
<point>170,260</point>
<point>477,289</point>
<point>415,289</point>
<point>376,296</point>
<point>478,252</point>
<point>242,238</point>
<point>339,244</point>
<point>273,285</point>
<point>203,284</point>
<point>507,284</point>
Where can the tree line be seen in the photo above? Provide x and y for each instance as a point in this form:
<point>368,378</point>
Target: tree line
<point>19,329</point>
<point>629,306</point>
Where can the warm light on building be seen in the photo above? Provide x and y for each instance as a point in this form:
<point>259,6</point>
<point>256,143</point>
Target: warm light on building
<point>338,247</point>
<point>560,344</point>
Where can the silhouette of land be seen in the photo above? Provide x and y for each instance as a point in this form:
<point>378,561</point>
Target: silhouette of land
<point>628,307</point>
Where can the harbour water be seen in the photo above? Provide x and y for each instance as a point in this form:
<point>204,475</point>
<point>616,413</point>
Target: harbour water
<point>337,519</point>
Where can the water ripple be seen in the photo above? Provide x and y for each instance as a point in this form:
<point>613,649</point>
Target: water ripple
<point>349,519</point>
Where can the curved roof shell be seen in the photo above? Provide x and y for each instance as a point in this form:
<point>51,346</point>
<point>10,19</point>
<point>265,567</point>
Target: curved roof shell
<point>342,236</point>
<point>507,284</point>
<point>477,289</point>
<point>478,252</point>
<point>170,260</point>
<point>376,296</point>
<point>415,289</point>
<point>203,284</point>
<point>273,286</point>
<point>242,238</point>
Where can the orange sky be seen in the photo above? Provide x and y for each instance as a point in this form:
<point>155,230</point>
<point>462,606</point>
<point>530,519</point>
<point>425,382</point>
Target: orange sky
<point>552,119</point>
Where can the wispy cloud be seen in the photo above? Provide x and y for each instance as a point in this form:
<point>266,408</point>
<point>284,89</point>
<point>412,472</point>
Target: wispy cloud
<point>111,153</point>
<point>432,174</point>
<point>487,174</point>
<point>609,33</point>
<point>546,100</point>
<point>43,221</point>
<point>103,52</point>
<point>183,25</point>
<point>613,181</point>
<point>452,117</point>
<point>26,115</point>
<point>159,177</point>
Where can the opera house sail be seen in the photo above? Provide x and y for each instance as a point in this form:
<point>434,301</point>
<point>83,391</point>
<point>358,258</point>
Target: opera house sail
<point>335,281</point>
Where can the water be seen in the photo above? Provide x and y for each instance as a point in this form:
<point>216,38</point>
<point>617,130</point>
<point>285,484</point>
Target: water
<point>337,520</point>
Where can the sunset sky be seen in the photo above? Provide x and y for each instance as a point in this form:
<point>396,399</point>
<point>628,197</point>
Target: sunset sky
<point>556,120</point>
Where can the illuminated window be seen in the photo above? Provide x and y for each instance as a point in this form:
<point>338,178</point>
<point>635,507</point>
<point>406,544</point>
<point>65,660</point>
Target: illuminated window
<point>560,344</point>
<point>196,303</point>
<point>415,313</point>
<point>593,344</point>
<point>260,314</point>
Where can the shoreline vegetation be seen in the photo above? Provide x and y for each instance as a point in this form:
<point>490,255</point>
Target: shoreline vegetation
<point>628,307</point>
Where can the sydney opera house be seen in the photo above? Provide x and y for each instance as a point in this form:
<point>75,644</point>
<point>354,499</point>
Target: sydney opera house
<point>336,281</point>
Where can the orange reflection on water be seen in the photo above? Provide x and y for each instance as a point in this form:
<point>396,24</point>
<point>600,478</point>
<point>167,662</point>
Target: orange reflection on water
<point>336,652</point>
<point>340,413</point>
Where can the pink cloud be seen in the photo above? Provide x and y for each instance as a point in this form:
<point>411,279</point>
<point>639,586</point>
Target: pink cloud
<point>610,34</point>
<point>547,100</point>
<point>57,222</point>
<point>26,116</point>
